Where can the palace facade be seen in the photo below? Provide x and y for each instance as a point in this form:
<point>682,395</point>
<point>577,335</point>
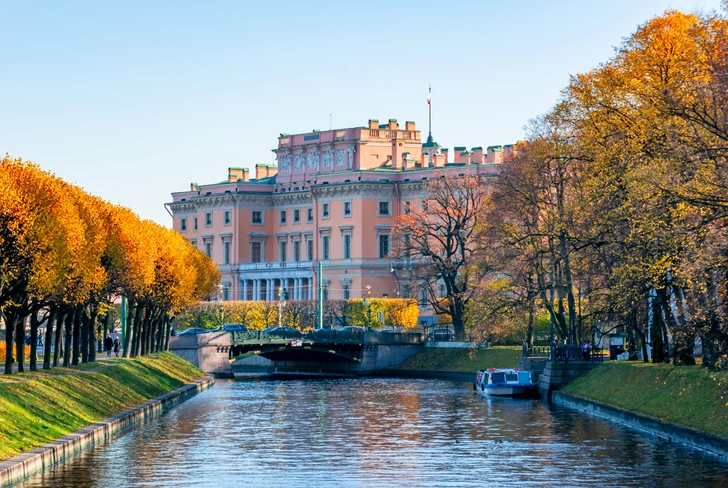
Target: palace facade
<point>333,197</point>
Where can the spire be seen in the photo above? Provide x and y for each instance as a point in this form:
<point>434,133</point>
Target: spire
<point>429,107</point>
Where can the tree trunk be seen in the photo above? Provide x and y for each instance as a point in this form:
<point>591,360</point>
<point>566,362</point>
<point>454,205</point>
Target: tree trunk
<point>48,339</point>
<point>107,318</point>
<point>128,337</point>
<point>77,319</point>
<point>68,330</point>
<point>20,342</point>
<point>92,334</point>
<point>167,333</point>
<point>34,324</point>
<point>457,312</point>
<point>57,342</point>
<point>9,331</point>
<point>658,351</point>
<point>137,331</point>
<point>569,289</point>
<point>531,323</point>
<point>84,335</point>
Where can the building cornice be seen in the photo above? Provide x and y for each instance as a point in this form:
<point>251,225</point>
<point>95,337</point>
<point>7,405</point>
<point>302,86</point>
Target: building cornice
<point>351,189</point>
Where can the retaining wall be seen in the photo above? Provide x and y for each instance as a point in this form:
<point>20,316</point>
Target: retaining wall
<point>695,438</point>
<point>32,462</point>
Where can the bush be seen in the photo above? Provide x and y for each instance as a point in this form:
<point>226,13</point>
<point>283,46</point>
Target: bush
<point>2,351</point>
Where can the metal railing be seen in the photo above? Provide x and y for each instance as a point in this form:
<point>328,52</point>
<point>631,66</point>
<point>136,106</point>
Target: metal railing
<point>564,353</point>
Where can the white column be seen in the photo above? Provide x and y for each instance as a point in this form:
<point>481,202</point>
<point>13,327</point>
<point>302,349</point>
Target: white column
<point>310,288</point>
<point>245,290</point>
<point>256,288</point>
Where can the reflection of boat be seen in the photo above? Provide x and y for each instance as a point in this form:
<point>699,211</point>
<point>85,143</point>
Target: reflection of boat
<point>504,382</point>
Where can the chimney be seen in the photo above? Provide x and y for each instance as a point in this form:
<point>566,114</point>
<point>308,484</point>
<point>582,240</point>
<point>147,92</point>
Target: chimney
<point>408,163</point>
<point>458,154</point>
<point>193,186</point>
<point>495,154</point>
<point>439,160</point>
<point>477,156</point>
<point>265,171</point>
<point>402,161</point>
<point>409,125</point>
<point>423,161</point>
<point>236,174</point>
<point>444,151</point>
<point>373,123</point>
<point>393,125</point>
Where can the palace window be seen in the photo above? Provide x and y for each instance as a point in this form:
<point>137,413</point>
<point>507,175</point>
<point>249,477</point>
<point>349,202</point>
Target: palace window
<point>346,291</point>
<point>208,219</point>
<point>347,246</point>
<point>296,250</point>
<point>325,210</point>
<point>309,215</point>
<point>195,227</point>
<point>208,248</point>
<point>309,249</point>
<point>226,252</point>
<point>226,217</point>
<point>282,248</point>
<point>407,208</point>
<point>256,252</point>
<point>383,208</point>
<point>296,216</point>
<point>183,225</point>
<point>347,209</point>
<point>257,216</point>
<point>324,247</point>
<point>283,217</point>
<point>383,245</point>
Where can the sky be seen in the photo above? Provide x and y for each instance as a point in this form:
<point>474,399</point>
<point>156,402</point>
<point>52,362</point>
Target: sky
<point>133,100</point>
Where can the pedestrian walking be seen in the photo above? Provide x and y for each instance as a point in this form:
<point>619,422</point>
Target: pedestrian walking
<point>108,344</point>
<point>117,346</point>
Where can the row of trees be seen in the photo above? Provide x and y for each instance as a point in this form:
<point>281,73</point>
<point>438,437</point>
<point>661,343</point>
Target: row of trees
<point>613,215</point>
<point>65,255</point>
<point>301,314</point>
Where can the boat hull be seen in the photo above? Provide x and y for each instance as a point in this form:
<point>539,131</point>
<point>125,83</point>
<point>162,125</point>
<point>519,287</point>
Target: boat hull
<point>505,391</point>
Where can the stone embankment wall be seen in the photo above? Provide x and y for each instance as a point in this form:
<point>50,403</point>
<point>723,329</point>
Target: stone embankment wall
<point>558,374</point>
<point>27,464</point>
<point>210,352</point>
<point>668,431</point>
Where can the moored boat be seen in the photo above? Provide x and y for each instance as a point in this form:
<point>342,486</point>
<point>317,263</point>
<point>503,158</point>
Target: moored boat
<point>504,382</point>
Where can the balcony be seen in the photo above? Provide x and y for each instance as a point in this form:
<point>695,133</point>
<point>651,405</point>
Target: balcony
<point>276,265</point>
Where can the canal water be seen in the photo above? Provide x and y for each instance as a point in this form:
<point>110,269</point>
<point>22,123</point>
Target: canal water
<point>380,433</point>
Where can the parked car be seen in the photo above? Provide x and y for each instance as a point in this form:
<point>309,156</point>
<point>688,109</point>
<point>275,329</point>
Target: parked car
<point>193,331</point>
<point>285,333</point>
<point>351,331</point>
<point>440,335</point>
<point>323,334</point>
<point>231,328</point>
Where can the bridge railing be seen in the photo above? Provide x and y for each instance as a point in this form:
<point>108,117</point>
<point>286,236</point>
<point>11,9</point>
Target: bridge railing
<point>329,336</point>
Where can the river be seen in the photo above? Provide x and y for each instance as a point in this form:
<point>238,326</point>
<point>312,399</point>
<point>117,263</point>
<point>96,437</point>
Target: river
<point>379,432</point>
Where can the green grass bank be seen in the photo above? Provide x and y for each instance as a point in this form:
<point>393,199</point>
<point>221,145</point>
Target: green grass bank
<point>36,408</point>
<point>462,360</point>
<point>689,396</point>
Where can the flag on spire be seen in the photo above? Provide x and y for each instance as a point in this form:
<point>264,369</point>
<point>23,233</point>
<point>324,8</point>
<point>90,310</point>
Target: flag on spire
<point>429,97</point>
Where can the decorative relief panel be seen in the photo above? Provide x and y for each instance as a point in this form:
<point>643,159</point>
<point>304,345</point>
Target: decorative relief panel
<point>299,160</point>
<point>284,162</point>
<point>328,159</point>
<point>340,158</point>
<point>314,158</point>
<point>351,150</point>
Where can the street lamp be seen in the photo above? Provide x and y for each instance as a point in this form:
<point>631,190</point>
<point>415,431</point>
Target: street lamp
<point>369,305</point>
<point>280,305</point>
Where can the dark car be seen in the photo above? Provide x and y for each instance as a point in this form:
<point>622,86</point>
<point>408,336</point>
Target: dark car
<point>351,331</point>
<point>440,335</point>
<point>284,333</point>
<point>323,334</point>
<point>193,331</point>
<point>231,328</point>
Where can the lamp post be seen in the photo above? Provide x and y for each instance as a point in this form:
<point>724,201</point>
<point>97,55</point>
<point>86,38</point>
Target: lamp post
<point>280,305</point>
<point>369,305</point>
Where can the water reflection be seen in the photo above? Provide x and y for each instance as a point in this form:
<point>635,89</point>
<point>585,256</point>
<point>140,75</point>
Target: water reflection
<point>380,432</point>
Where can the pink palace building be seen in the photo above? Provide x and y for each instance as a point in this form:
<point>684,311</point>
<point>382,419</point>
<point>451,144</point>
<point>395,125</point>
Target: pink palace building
<point>333,197</point>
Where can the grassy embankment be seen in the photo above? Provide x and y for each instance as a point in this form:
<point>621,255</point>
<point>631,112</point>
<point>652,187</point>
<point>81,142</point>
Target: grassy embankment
<point>464,360</point>
<point>688,395</point>
<point>36,408</point>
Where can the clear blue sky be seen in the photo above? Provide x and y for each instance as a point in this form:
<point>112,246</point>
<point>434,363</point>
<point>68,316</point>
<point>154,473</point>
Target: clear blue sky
<point>133,100</point>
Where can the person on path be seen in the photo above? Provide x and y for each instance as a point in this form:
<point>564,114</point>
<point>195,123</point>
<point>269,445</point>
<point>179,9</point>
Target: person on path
<point>117,346</point>
<point>108,344</point>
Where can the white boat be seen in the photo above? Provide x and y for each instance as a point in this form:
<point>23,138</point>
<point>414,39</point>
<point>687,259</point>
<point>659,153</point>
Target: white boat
<point>504,382</point>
